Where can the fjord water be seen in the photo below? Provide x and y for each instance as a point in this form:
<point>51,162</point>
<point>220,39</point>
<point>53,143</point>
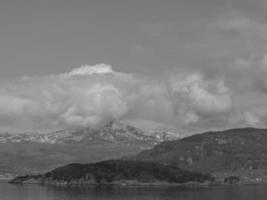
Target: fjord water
<point>36,192</point>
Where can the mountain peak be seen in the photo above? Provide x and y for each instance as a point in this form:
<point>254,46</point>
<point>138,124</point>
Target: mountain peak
<point>111,132</point>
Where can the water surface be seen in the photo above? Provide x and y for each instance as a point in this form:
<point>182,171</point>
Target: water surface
<point>36,192</point>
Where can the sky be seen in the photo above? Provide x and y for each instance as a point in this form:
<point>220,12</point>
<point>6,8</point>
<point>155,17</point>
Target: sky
<point>178,65</point>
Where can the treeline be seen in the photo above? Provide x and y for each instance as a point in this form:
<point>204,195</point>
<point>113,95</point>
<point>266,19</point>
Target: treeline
<point>115,172</point>
<point>232,150</point>
<point>118,170</point>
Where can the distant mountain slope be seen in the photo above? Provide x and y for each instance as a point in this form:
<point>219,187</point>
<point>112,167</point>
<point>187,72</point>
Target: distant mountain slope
<point>24,153</point>
<point>115,172</point>
<point>111,132</point>
<point>232,150</point>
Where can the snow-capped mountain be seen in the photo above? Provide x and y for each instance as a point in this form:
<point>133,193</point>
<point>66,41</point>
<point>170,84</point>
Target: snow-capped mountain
<point>112,132</point>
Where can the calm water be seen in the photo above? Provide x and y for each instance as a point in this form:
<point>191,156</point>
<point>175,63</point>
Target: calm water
<point>35,192</point>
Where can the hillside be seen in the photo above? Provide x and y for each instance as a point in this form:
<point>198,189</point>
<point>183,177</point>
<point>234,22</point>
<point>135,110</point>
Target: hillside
<point>29,157</point>
<point>234,151</point>
<point>27,153</point>
<point>111,132</point>
<point>115,172</point>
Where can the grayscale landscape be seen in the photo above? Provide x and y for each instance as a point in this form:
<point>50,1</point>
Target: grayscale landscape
<point>133,99</point>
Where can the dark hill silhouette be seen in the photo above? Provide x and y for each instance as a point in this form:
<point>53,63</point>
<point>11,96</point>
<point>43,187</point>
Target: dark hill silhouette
<point>116,172</point>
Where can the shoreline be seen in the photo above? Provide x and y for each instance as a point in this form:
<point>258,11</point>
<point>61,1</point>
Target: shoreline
<point>137,184</point>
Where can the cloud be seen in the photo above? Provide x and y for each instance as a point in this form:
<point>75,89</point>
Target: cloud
<point>86,96</point>
<point>241,63</point>
<point>100,69</point>
<point>249,72</point>
<point>241,26</point>
<point>263,63</point>
<point>90,96</point>
<point>99,103</point>
<point>197,97</point>
<point>251,119</point>
<point>89,70</point>
<point>234,24</point>
<point>247,77</point>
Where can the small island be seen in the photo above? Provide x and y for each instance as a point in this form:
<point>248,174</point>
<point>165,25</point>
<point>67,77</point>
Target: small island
<point>116,172</point>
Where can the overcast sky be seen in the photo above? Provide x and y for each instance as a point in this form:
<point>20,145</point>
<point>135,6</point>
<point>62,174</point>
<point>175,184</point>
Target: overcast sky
<point>179,65</point>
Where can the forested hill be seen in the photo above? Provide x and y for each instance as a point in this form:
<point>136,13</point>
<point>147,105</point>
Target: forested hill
<point>236,149</point>
<point>116,172</point>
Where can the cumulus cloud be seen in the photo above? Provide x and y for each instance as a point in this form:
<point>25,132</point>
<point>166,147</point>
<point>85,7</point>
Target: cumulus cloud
<point>86,96</point>
<point>100,69</point>
<point>89,70</point>
<point>196,97</point>
<point>90,96</point>
<point>247,78</point>
<point>98,103</point>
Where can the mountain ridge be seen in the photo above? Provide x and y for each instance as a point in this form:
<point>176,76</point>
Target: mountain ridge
<point>111,132</point>
<point>26,152</point>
